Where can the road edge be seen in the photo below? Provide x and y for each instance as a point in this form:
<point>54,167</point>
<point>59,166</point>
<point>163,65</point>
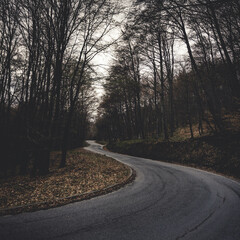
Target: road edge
<point>229,177</point>
<point>71,199</point>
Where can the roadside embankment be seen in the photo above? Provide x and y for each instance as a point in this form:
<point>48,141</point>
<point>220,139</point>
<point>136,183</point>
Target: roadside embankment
<point>218,153</point>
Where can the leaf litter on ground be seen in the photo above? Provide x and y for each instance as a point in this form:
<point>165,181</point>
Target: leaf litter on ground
<point>85,172</point>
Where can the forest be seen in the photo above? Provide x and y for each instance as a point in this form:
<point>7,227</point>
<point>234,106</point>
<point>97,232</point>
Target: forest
<point>151,91</point>
<point>46,77</point>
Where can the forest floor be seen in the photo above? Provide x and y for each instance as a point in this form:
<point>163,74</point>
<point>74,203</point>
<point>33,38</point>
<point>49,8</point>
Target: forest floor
<point>219,153</point>
<point>86,175</point>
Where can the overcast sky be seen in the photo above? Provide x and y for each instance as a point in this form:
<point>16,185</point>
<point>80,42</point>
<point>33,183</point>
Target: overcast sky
<point>103,60</point>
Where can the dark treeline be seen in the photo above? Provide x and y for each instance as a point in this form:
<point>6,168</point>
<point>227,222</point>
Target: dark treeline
<point>150,93</point>
<point>45,77</point>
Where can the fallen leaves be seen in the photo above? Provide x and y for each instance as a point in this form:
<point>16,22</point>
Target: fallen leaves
<point>84,172</point>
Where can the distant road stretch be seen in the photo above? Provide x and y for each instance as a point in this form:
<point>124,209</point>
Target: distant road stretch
<point>164,202</point>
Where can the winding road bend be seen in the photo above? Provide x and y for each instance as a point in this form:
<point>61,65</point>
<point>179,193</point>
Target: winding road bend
<point>165,201</point>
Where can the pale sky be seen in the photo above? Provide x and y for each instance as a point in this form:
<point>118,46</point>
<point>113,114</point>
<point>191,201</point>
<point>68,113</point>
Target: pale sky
<point>103,60</point>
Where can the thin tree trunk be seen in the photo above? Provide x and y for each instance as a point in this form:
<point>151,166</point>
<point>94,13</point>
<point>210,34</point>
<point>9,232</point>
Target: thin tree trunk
<point>163,107</point>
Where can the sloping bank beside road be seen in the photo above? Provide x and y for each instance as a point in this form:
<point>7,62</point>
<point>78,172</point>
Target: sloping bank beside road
<point>220,154</point>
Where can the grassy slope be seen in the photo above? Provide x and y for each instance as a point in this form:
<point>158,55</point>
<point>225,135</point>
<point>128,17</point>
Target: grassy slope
<point>217,153</point>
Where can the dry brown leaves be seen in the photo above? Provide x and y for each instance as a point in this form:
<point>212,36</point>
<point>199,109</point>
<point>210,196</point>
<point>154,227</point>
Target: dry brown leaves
<point>85,172</point>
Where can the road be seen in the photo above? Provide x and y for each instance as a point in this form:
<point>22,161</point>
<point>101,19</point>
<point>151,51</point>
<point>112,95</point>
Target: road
<point>164,202</point>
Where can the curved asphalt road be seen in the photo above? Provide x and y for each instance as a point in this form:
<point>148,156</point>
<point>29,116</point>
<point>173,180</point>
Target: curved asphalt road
<point>164,202</point>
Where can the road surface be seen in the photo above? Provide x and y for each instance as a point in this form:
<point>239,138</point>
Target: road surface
<point>164,202</point>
